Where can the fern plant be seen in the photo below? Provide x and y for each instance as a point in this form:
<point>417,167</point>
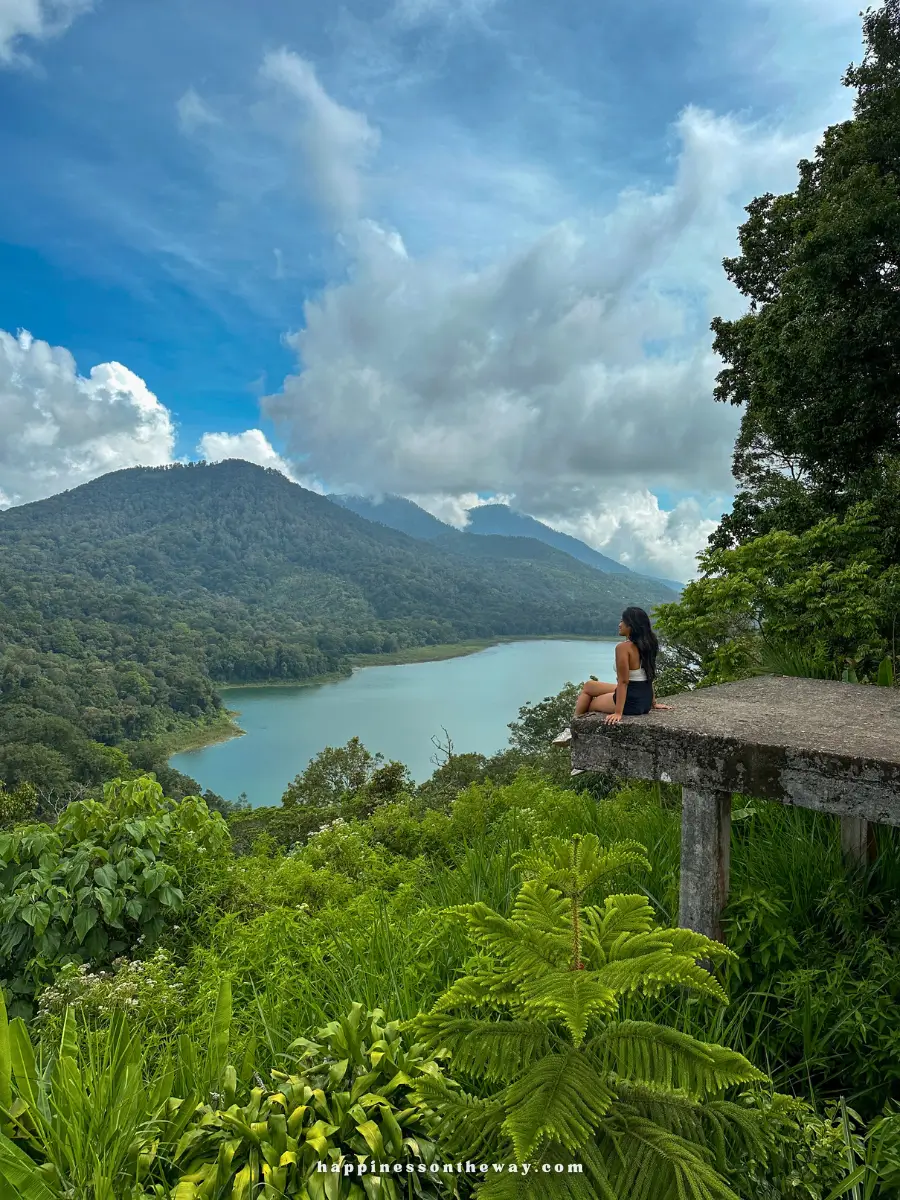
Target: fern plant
<point>632,1110</point>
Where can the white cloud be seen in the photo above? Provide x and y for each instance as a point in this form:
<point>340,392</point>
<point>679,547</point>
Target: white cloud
<point>633,529</point>
<point>579,362</point>
<point>573,373</point>
<point>59,429</point>
<point>337,142</point>
<point>454,510</point>
<point>34,19</point>
<point>193,112</point>
<point>254,447</point>
<point>409,14</point>
<point>630,527</point>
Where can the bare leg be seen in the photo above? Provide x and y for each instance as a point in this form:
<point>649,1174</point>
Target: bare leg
<point>589,691</point>
<point>603,704</point>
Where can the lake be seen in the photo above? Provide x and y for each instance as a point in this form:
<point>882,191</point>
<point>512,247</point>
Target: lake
<point>395,709</point>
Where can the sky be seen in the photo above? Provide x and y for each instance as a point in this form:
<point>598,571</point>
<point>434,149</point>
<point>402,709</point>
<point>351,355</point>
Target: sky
<point>448,249</point>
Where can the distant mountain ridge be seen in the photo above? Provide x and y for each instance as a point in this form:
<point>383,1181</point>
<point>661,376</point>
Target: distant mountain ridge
<point>500,519</point>
<point>486,520</point>
<point>396,512</point>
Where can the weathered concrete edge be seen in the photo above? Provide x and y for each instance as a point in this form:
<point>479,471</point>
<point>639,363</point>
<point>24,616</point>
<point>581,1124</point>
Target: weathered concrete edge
<point>708,764</point>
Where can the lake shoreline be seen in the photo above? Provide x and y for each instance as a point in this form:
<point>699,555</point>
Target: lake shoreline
<point>417,654</point>
<point>201,736</point>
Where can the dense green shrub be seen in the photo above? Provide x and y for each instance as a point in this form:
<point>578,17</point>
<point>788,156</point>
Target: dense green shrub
<point>109,876</point>
<point>17,804</point>
<point>149,991</point>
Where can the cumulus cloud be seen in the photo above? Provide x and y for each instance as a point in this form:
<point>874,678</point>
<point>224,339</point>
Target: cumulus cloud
<point>59,429</point>
<point>454,510</point>
<point>193,112</point>
<point>21,20</point>
<point>253,446</point>
<point>578,363</point>
<point>573,374</point>
<point>632,527</point>
<point>636,531</point>
<point>337,142</point>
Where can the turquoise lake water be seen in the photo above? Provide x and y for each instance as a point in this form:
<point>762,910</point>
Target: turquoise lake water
<point>394,709</point>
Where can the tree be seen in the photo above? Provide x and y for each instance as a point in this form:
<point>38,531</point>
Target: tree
<point>815,363</point>
<point>558,1075</point>
<point>387,785</point>
<point>826,593</point>
<point>33,762</point>
<point>333,773</point>
<point>538,723</point>
<point>17,804</point>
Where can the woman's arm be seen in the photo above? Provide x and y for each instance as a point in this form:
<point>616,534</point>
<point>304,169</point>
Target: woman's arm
<point>656,703</point>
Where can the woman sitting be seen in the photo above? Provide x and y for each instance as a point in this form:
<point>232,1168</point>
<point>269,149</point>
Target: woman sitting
<point>632,693</point>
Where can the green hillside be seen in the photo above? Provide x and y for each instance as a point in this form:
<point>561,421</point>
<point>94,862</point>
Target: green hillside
<point>126,600</point>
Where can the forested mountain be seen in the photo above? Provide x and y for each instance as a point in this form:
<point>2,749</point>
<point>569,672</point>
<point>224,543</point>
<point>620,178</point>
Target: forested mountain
<point>126,600</point>
<point>493,520</point>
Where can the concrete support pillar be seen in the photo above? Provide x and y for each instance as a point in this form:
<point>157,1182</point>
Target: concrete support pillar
<point>705,860</point>
<point>857,840</point>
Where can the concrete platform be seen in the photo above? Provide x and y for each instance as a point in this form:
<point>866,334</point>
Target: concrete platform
<point>834,747</point>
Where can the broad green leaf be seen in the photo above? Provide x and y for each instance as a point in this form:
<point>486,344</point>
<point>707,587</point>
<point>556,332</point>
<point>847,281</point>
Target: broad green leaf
<point>85,920</point>
<point>243,1181</point>
<point>5,1059</point>
<point>373,1138</point>
<point>24,1068</point>
<point>848,1184</point>
<point>394,1132</point>
<point>170,897</point>
<point>106,877</point>
<point>220,1032</point>
<point>19,1176</point>
<point>68,1041</point>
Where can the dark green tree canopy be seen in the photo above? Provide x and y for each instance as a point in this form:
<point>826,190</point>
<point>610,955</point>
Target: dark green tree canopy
<point>815,362</point>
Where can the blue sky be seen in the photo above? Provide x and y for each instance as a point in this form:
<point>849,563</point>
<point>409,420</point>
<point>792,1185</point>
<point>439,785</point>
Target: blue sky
<point>439,247</point>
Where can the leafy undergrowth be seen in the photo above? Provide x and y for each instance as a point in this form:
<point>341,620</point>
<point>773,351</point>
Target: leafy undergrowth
<point>358,915</point>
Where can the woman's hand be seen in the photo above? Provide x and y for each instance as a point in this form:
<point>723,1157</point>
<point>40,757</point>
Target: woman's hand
<point>666,706</point>
<point>613,719</point>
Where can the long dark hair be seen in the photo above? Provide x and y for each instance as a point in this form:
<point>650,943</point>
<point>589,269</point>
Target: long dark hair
<point>643,637</point>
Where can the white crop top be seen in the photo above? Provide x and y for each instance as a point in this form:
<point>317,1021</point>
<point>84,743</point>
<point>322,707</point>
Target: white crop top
<point>638,676</point>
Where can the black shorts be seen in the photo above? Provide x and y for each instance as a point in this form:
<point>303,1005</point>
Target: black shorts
<point>638,698</point>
